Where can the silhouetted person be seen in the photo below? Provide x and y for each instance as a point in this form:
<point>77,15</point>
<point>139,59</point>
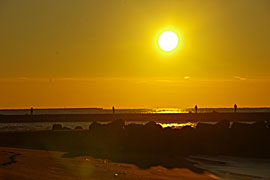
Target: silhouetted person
<point>31,110</point>
<point>235,108</point>
<point>196,109</point>
<point>113,110</point>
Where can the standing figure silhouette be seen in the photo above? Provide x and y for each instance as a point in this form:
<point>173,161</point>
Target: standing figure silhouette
<point>113,109</point>
<point>196,109</point>
<point>31,110</point>
<point>235,108</point>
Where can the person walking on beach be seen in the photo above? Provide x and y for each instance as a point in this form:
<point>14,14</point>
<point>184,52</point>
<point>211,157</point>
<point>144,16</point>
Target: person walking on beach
<point>235,108</point>
<point>31,111</point>
<point>113,110</point>
<point>196,109</point>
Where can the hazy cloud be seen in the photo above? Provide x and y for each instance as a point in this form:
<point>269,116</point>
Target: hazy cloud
<point>240,78</point>
<point>186,77</point>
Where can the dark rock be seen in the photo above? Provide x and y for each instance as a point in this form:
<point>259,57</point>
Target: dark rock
<point>240,126</point>
<point>267,123</point>
<point>204,127</point>
<point>119,124</point>
<point>153,126</point>
<point>223,124</point>
<point>78,128</point>
<point>94,126</point>
<point>259,125</point>
<point>187,128</point>
<point>57,127</point>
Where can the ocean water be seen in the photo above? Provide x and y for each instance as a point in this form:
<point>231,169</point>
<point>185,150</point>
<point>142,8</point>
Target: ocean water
<point>124,111</point>
<point>234,168</point>
<point>39,126</point>
<point>43,126</point>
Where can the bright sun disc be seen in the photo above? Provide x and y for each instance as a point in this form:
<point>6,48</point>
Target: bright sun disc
<point>168,41</point>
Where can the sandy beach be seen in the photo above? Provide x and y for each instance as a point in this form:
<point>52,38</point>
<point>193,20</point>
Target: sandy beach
<point>26,164</point>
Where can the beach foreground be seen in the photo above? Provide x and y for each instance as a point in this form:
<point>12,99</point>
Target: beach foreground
<point>22,164</point>
<point>137,151</point>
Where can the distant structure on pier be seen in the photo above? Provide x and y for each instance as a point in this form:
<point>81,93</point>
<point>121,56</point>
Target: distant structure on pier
<point>31,110</point>
<point>196,109</point>
<point>235,108</point>
<point>113,110</point>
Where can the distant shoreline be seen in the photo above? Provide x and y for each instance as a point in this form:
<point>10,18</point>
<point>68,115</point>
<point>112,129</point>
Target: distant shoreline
<point>157,117</point>
<point>100,108</point>
<point>21,109</point>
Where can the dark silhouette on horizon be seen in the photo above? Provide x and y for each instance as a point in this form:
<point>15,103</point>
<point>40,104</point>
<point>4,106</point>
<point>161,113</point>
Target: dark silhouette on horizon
<point>196,109</point>
<point>31,111</point>
<point>235,108</point>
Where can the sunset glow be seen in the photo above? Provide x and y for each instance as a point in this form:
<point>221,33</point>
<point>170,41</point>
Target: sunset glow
<point>134,54</point>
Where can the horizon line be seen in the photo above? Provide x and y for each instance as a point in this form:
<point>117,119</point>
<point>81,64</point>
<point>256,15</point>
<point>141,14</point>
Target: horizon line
<point>136,108</point>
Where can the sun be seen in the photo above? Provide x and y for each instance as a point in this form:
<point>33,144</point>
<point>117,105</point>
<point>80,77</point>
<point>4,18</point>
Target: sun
<point>168,41</point>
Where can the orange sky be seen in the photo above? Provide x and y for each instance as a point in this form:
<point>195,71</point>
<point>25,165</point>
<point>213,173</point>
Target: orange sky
<point>103,53</point>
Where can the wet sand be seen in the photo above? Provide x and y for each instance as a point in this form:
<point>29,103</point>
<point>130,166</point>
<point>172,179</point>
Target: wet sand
<point>45,165</point>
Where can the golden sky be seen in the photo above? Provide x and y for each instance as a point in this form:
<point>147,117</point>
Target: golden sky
<point>102,53</point>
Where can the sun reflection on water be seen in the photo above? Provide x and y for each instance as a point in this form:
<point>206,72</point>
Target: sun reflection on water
<point>177,125</point>
<point>169,110</point>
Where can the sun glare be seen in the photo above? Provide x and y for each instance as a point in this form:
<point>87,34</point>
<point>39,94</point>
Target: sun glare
<point>168,41</point>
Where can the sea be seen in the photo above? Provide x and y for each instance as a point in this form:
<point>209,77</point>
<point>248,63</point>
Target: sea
<point>234,168</point>
<point>125,111</point>
<point>40,126</point>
